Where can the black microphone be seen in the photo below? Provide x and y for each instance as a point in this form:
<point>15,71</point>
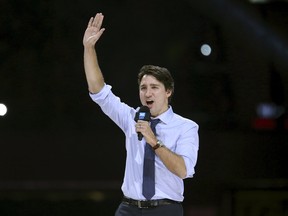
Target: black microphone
<point>144,115</point>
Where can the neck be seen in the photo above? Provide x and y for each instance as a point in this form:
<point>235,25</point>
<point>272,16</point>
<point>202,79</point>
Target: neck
<point>162,111</point>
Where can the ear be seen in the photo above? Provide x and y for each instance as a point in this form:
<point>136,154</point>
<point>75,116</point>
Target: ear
<point>168,93</point>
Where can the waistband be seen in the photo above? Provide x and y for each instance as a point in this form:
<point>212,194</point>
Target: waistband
<point>148,203</point>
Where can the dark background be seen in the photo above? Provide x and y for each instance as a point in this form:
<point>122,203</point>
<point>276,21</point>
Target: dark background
<point>61,155</point>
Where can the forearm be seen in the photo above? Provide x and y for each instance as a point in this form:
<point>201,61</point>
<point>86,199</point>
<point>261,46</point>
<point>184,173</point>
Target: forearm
<point>94,76</point>
<point>175,163</point>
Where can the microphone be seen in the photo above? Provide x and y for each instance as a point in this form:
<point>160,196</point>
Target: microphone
<point>144,115</point>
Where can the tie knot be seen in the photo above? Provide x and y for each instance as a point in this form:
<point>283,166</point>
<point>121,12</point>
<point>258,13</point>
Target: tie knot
<point>154,122</point>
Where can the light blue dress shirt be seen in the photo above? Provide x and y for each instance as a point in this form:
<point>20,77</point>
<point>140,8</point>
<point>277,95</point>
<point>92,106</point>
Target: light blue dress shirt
<point>178,134</point>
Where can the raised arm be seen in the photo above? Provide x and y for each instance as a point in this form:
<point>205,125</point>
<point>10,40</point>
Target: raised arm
<point>93,72</point>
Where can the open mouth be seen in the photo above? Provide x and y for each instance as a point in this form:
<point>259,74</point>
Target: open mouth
<point>149,103</point>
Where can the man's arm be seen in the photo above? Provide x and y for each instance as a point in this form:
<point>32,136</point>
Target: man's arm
<point>93,72</point>
<point>174,162</point>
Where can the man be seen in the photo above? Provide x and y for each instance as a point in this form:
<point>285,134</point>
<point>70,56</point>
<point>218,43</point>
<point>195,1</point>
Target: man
<point>173,140</point>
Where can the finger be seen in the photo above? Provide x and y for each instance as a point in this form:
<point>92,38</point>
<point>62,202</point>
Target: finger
<point>137,128</point>
<point>99,33</point>
<point>100,20</point>
<point>97,22</point>
<point>139,125</point>
<point>90,22</point>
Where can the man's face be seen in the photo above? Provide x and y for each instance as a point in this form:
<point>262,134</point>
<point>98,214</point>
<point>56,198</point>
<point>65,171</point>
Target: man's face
<point>152,93</point>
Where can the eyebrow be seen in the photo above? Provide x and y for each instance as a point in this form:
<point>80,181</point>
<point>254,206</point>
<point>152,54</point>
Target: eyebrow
<point>152,84</point>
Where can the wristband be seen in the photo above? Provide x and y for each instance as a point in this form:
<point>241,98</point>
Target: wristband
<point>159,144</point>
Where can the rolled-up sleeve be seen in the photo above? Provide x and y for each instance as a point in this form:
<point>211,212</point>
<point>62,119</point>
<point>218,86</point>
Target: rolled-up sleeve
<point>188,148</point>
<point>100,96</point>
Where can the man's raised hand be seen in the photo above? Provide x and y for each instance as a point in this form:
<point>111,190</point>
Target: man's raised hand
<point>93,31</point>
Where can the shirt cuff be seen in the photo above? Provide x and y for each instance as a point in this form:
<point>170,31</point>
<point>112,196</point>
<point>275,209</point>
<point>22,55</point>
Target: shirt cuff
<point>189,168</point>
<point>102,94</point>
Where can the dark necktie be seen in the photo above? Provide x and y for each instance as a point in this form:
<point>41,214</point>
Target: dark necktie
<point>149,167</point>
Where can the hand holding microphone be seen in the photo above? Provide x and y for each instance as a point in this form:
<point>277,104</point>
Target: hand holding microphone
<point>142,118</point>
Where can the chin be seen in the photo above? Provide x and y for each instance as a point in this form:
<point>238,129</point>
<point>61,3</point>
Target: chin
<point>153,114</point>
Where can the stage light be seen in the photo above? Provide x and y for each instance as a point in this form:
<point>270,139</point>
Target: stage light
<point>269,110</point>
<point>206,49</point>
<point>268,115</point>
<point>3,109</point>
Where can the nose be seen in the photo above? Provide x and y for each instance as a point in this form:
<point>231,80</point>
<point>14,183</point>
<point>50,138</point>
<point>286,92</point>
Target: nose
<point>148,92</point>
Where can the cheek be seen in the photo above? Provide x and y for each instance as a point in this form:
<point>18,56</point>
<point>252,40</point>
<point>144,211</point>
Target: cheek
<point>141,96</point>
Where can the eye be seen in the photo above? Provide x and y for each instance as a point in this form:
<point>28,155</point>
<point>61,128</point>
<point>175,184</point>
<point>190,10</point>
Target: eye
<point>155,87</point>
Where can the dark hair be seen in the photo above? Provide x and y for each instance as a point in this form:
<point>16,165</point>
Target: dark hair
<point>161,74</point>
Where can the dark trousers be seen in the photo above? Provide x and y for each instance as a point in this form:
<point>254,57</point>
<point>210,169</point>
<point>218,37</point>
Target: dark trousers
<point>174,209</point>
